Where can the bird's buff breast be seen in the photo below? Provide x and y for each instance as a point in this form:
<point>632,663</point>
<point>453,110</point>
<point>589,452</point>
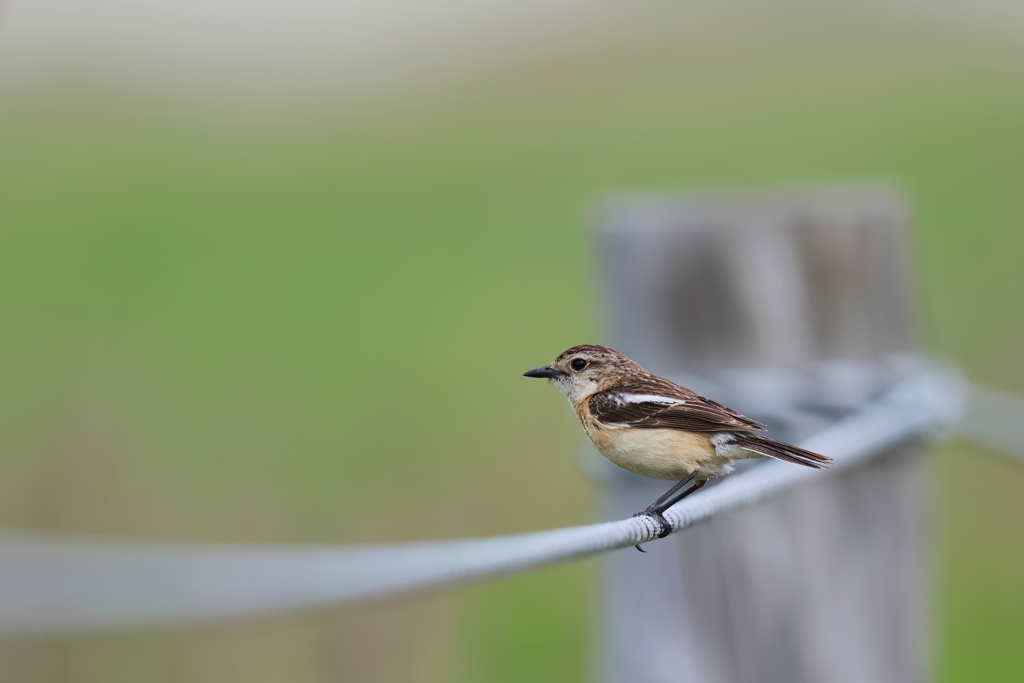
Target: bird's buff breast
<point>657,453</point>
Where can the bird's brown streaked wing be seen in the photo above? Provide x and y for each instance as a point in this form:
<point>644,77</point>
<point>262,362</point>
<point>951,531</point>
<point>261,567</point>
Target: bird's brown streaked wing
<point>689,411</point>
<point>754,424</point>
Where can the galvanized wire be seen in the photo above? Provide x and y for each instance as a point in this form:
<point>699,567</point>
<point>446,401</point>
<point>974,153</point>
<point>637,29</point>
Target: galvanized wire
<point>51,584</point>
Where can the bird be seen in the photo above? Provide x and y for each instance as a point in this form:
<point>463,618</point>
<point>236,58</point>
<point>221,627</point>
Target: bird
<point>656,428</point>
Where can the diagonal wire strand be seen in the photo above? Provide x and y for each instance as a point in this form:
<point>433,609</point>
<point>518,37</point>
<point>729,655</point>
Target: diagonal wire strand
<point>50,584</point>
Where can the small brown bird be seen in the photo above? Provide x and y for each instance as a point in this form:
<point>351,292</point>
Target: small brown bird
<point>657,428</point>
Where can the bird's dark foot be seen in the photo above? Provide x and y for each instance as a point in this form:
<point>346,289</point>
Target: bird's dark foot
<point>655,514</point>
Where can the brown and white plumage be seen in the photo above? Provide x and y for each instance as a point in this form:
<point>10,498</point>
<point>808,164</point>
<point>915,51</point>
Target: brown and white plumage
<point>656,428</point>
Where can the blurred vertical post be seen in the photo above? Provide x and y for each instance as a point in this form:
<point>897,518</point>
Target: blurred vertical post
<point>825,584</point>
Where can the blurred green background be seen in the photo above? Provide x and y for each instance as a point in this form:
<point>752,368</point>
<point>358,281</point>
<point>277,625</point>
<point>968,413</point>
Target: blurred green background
<point>306,322</point>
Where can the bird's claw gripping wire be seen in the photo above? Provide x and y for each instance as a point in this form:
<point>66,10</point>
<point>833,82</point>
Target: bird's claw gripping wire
<point>671,497</point>
<point>654,513</point>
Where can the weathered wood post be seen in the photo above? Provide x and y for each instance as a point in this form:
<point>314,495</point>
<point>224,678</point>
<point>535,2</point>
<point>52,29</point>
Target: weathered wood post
<point>825,584</point>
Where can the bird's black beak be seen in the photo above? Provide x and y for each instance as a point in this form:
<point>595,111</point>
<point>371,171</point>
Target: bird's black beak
<point>546,371</point>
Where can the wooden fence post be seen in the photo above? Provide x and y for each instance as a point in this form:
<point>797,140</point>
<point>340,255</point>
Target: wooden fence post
<point>826,584</point>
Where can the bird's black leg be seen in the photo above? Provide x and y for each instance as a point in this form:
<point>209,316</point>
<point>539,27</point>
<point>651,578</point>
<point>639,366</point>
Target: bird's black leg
<point>666,501</point>
<point>666,504</point>
<point>668,494</point>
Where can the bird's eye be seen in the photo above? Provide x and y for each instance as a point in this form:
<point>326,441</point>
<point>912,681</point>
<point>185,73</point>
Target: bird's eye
<point>578,364</point>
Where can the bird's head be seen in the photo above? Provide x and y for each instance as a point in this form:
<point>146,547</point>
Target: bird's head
<point>586,369</point>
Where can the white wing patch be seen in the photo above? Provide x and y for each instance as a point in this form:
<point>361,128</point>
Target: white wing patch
<point>647,398</point>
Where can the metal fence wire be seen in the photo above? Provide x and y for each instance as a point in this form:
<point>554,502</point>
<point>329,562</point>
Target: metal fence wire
<point>50,584</point>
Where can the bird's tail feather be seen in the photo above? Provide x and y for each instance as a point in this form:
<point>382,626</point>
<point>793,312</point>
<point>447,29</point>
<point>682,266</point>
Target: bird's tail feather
<point>762,445</point>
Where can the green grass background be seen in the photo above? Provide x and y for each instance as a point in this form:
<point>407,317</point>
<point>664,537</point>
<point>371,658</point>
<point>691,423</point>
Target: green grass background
<point>310,328</point>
